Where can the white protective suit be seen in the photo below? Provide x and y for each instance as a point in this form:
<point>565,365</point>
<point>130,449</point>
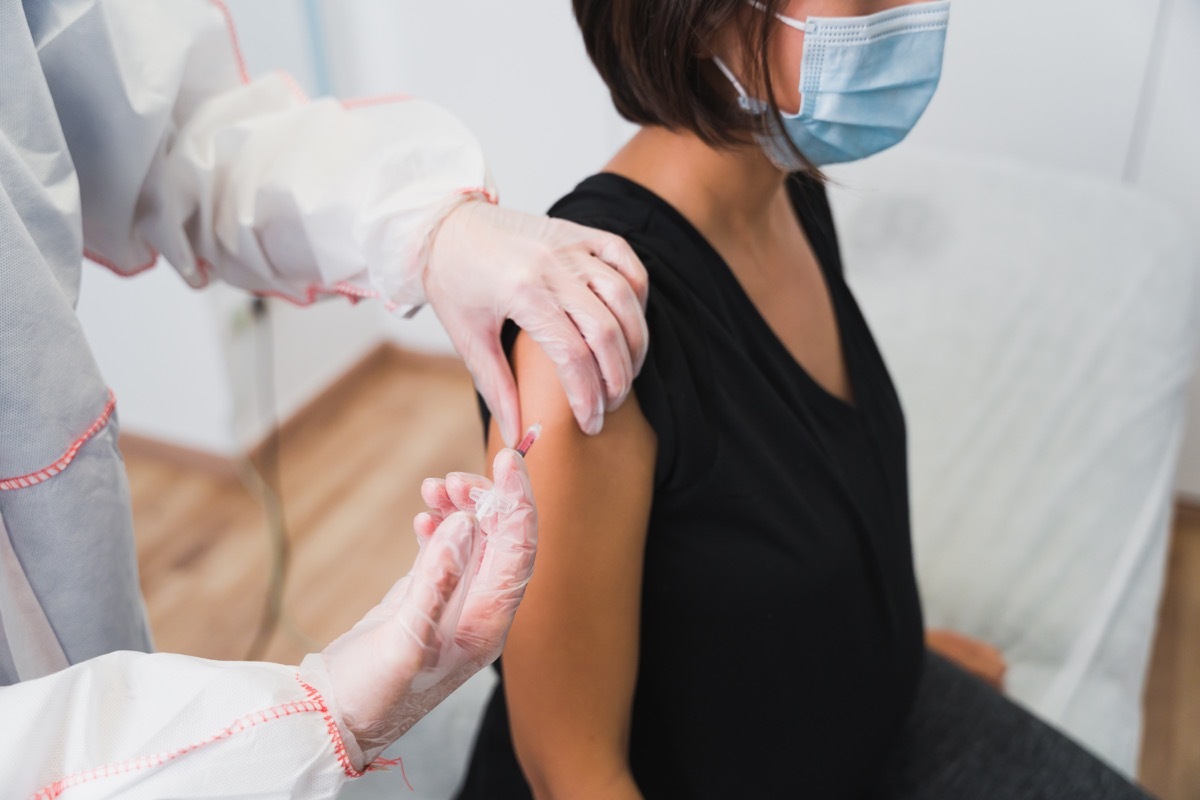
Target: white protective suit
<point>129,130</point>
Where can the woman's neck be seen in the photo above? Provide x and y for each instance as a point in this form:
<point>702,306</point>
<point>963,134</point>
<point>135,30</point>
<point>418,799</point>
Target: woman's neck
<point>731,195</point>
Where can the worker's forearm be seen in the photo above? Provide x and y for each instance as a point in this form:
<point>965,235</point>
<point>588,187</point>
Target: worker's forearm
<point>132,725</point>
<point>177,151</point>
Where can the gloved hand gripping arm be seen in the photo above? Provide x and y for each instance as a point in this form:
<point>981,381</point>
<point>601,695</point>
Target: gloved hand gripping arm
<point>578,292</point>
<point>179,152</point>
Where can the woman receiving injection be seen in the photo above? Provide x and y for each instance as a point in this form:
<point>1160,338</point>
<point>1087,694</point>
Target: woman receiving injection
<point>725,604</point>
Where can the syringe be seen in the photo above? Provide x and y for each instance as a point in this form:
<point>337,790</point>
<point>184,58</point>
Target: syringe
<point>488,502</point>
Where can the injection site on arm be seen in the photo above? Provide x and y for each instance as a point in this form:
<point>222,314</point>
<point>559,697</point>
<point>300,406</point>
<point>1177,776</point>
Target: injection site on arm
<point>488,502</point>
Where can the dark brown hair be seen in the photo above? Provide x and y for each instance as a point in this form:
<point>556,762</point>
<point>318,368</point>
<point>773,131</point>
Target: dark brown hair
<point>654,56</point>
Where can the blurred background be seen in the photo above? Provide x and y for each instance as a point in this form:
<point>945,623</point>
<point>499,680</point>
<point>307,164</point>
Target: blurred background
<point>1044,224</point>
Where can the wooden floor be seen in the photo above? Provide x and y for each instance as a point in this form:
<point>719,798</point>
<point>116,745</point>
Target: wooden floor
<point>351,466</point>
<point>1170,765</point>
<point>351,470</point>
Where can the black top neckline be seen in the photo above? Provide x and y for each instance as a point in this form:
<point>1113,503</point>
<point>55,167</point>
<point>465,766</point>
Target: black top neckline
<point>850,412</point>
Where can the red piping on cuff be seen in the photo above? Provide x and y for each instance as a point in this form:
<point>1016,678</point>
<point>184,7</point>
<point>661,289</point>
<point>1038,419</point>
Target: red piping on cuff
<point>92,255</point>
<point>46,473</point>
<point>489,194</point>
<point>342,289</point>
<point>293,86</point>
<point>339,746</point>
<point>313,292</point>
<point>202,266</point>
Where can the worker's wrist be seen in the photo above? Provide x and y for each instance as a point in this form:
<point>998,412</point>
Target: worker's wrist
<point>447,225</point>
<point>313,673</point>
<point>397,248</point>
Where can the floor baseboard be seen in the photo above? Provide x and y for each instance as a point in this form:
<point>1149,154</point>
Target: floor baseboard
<point>324,402</point>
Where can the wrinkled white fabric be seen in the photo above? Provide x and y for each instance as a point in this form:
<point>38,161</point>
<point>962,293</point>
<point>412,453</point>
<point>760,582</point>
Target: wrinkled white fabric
<point>32,643</point>
<point>144,727</point>
<point>1041,328</point>
<point>178,152</point>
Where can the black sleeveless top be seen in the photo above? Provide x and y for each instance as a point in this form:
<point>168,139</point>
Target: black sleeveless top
<point>781,635</point>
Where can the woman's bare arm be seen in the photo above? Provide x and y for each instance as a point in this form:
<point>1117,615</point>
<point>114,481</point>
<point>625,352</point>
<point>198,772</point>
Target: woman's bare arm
<point>570,663</point>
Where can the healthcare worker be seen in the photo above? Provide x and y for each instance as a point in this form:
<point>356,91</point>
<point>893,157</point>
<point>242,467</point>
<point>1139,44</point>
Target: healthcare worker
<point>129,129</point>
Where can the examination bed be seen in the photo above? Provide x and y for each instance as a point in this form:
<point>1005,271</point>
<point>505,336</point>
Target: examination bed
<point>1041,329</point>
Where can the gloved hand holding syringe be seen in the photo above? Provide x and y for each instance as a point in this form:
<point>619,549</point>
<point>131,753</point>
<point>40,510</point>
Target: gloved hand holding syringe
<point>488,502</point>
<point>449,616</point>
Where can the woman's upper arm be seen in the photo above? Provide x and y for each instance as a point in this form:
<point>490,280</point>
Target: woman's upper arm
<point>570,663</point>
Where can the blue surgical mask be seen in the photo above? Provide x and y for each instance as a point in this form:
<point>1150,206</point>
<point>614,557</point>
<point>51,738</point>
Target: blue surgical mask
<point>864,83</point>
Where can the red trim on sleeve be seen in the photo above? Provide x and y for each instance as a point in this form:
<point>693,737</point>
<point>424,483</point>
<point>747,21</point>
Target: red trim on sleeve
<point>244,76</point>
<point>46,473</point>
<point>315,704</point>
<point>488,194</point>
<point>339,746</point>
<point>293,85</point>
<point>233,39</point>
<point>92,255</point>
<point>310,295</point>
<point>313,292</point>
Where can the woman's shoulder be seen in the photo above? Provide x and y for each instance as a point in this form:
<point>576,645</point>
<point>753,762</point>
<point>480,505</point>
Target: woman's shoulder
<point>608,202</point>
<point>674,383</point>
<point>677,260</point>
<point>613,203</point>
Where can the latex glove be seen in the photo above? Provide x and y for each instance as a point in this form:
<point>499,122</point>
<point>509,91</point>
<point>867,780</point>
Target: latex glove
<point>440,624</point>
<point>975,656</point>
<point>578,292</point>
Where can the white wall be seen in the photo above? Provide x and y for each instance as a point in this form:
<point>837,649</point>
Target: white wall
<point>1063,84</point>
<point>273,371</point>
<point>158,348</point>
<point>1049,82</point>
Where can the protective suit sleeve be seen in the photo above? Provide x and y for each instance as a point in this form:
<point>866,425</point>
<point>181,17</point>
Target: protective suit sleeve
<point>136,726</point>
<point>179,153</point>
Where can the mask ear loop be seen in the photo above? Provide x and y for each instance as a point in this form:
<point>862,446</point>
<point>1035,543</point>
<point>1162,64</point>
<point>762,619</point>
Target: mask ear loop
<point>791,22</point>
<point>741,90</point>
<point>748,103</point>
